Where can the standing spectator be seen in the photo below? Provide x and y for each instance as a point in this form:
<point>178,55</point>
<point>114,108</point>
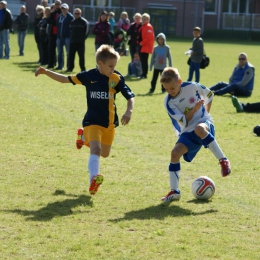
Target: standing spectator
<point>44,36</point>
<point>101,30</point>
<point>133,34</point>
<point>161,53</point>
<point>124,22</point>
<point>241,81</point>
<point>79,32</point>
<point>44,3</point>
<point>6,23</point>
<point>53,34</point>
<point>196,55</point>
<point>22,23</point>
<point>111,20</point>
<point>37,19</point>
<point>63,35</point>
<point>146,40</point>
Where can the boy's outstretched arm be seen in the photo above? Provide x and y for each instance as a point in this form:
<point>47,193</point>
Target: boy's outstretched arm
<point>127,115</point>
<point>53,75</point>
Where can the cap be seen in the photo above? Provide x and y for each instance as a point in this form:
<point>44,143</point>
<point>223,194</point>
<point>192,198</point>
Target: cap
<point>3,2</point>
<point>65,6</point>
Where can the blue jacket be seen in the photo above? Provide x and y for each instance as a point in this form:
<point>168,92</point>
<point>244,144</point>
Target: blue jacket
<point>63,25</point>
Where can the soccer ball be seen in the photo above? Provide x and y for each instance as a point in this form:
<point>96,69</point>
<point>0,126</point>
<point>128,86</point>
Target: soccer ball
<point>256,130</point>
<point>203,188</point>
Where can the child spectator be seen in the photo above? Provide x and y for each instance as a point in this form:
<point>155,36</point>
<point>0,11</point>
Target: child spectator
<point>111,20</point>
<point>135,67</point>
<point>120,42</point>
<point>160,54</point>
<point>124,22</point>
<point>188,105</point>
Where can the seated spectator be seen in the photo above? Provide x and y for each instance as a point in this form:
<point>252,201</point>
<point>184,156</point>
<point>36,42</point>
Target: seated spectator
<point>245,107</point>
<point>120,42</point>
<point>241,82</point>
<point>135,67</point>
<point>124,22</point>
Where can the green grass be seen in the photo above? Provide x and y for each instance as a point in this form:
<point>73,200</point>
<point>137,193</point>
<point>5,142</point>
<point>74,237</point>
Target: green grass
<point>45,209</point>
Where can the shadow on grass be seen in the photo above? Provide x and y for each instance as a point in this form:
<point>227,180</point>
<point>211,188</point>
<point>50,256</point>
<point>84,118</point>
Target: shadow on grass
<point>27,65</point>
<point>56,209</point>
<point>161,211</point>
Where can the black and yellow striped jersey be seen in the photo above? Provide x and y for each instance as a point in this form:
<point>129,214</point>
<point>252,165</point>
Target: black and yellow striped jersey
<point>101,94</point>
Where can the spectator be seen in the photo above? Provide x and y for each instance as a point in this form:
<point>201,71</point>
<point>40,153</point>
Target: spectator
<point>6,23</point>
<point>101,30</point>
<point>196,55</point>
<point>135,67</point>
<point>63,35</point>
<point>111,20</point>
<point>133,35</point>
<point>37,19</point>
<point>146,40</point>
<point>124,22</point>
<point>44,3</point>
<point>44,36</point>
<point>22,23</point>
<point>53,8</point>
<point>161,53</point>
<point>241,82</point>
<point>120,42</point>
<point>245,107</point>
<point>53,34</point>
<point>79,33</point>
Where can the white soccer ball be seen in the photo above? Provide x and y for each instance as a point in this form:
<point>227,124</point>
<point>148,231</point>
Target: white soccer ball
<point>203,188</point>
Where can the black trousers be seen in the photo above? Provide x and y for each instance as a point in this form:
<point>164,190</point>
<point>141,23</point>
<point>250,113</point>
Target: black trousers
<point>80,49</point>
<point>252,107</point>
<point>52,51</point>
<point>154,79</point>
<point>144,60</point>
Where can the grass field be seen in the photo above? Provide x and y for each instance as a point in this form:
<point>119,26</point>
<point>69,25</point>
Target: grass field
<point>46,211</point>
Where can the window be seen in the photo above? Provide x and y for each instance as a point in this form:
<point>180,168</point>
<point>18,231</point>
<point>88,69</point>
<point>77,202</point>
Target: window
<point>238,6</point>
<point>210,6</point>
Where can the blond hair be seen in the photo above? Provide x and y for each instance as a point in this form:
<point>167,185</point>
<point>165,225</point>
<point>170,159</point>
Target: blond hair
<point>105,53</point>
<point>170,74</point>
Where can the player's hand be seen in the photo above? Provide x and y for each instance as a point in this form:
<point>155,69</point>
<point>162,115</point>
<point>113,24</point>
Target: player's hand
<point>39,71</point>
<point>125,119</point>
<point>198,104</point>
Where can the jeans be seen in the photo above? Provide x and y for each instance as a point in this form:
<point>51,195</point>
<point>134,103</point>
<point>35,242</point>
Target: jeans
<point>194,67</point>
<point>21,36</point>
<point>4,41</point>
<point>61,42</point>
<point>222,88</point>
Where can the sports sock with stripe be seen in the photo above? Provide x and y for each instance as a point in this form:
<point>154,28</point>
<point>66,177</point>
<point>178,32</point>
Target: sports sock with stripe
<point>174,174</point>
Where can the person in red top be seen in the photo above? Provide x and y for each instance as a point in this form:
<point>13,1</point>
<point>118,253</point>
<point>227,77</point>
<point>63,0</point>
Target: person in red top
<point>146,41</point>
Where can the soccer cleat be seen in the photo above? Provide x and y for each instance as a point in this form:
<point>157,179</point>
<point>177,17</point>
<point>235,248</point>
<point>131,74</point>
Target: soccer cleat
<point>95,183</point>
<point>225,167</point>
<point>172,195</point>
<point>238,105</point>
<point>79,141</point>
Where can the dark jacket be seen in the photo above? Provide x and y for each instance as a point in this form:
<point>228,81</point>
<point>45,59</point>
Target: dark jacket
<point>79,30</point>
<point>101,30</point>
<point>37,20</point>
<point>7,20</point>
<point>133,32</point>
<point>52,21</point>
<point>63,25</point>
<point>22,22</point>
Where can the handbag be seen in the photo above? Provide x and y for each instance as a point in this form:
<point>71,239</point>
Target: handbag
<point>204,63</point>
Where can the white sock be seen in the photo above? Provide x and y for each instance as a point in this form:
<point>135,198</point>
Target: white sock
<point>174,179</point>
<point>215,149</point>
<point>93,166</point>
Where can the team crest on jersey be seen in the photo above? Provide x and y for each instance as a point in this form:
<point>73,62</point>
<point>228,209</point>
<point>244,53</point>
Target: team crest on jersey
<point>192,100</point>
<point>112,84</point>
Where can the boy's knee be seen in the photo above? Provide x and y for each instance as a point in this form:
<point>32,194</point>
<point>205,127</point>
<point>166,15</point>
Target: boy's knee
<point>200,130</point>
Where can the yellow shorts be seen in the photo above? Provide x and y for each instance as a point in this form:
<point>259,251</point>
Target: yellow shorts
<point>99,133</point>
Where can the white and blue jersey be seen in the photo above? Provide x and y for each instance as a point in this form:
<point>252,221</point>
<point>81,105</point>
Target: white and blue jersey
<point>178,107</point>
